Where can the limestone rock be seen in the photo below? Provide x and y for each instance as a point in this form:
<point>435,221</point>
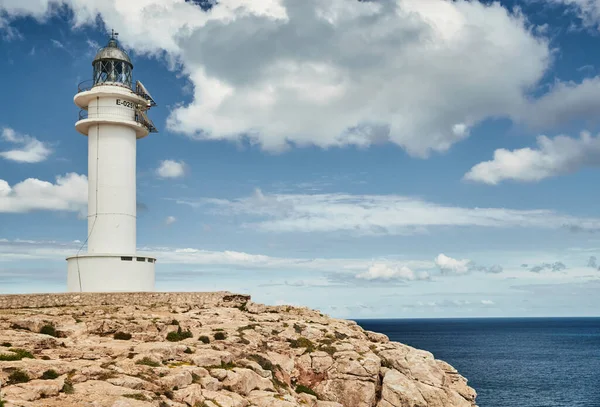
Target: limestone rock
<point>264,356</point>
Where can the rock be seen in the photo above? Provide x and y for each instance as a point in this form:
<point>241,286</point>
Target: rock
<point>243,381</point>
<point>209,357</point>
<point>178,380</point>
<point>377,337</point>
<point>191,395</point>
<point>268,352</point>
<point>354,393</point>
<point>399,391</point>
<point>33,390</point>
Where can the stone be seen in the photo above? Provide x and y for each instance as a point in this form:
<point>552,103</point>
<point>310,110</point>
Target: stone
<point>263,370</point>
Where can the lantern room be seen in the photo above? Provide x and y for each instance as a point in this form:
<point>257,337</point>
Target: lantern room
<point>112,65</point>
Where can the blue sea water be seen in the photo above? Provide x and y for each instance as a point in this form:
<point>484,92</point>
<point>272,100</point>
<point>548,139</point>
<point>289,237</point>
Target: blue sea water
<point>528,362</point>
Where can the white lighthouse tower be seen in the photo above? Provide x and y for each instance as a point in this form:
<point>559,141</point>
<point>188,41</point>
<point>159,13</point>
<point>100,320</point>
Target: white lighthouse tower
<point>113,117</point>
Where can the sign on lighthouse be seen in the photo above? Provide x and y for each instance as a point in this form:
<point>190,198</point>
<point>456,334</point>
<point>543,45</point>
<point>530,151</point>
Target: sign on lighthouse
<point>113,117</point>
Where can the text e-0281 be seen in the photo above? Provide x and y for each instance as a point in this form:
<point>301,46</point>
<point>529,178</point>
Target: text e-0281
<point>125,103</point>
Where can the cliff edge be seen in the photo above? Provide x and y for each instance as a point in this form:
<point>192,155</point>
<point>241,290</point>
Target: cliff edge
<point>206,350</point>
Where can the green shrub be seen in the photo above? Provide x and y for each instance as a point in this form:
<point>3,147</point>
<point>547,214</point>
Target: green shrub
<point>50,375</point>
<point>219,336</point>
<point>17,354</point>
<point>188,351</point>
<point>302,342</point>
<point>303,389</point>
<point>49,330</point>
<point>329,349</point>
<point>147,362</point>
<point>179,335</point>
<point>6,344</point>
<point>174,322</point>
<point>18,376</point>
<point>122,336</point>
<point>204,339</point>
<point>2,402</point>
<point>265,363</point>
<point>68,387</point>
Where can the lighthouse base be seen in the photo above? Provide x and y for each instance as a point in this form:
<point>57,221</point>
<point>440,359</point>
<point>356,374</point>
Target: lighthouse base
<point>110,273</point>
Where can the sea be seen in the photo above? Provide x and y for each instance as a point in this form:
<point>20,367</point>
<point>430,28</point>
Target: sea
<point>525,362</point>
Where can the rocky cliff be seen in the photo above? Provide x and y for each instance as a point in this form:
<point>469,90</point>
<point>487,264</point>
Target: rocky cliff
<point>206,350</point>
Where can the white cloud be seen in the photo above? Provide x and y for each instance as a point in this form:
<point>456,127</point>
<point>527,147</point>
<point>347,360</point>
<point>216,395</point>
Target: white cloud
<point>171,169</point>
<point>386,272</point>
<point>448,265</point>
<point>430,70</point>
<point>376,214</point>
<point>588,10</point>
<point>69,193</point>
<point>170,220</point>
<point>32,150</point>
<point>559,155</point>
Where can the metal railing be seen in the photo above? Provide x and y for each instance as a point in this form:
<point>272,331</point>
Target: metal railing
<point>89,84</point>
<point>119,113</point>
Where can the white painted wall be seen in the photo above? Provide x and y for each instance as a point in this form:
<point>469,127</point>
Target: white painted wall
<point>112,186</point>
<point>109,274</point>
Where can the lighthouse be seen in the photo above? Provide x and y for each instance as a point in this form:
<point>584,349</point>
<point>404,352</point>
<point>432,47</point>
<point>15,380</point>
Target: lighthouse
<point>113,117</point>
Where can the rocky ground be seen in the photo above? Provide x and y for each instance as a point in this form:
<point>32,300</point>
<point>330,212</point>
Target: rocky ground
<point>229,355</point>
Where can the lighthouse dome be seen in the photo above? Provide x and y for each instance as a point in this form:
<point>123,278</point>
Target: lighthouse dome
<point>112,51</point>
<point>112,65</point>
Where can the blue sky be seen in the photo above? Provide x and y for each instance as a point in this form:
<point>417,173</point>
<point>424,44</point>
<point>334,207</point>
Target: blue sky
<point>371,159</point>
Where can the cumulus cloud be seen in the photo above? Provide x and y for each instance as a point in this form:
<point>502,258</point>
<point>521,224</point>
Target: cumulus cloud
<point>171,169</point>
<point>170,220</point>
<point>451,266</point>
<point>448,265</point>
<point>553,267</point>
<point>430,70</point>
<point>69,193</point>
<point>388,272</point>
<point>30,149</point>
<point>374,214</point>
<point>554,156</point>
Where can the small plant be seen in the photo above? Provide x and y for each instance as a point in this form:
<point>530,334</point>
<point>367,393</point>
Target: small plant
<point>49,330</point>
<point>298,328</point>
<point>46,357</point>
<point>2,402</point>
<point>179,335</point>
<point>302,342</point>
<point>68,387</point>
<point>122,336</point>
<point>147,362</point>
<point>188,351</point>
<point>219,336</point>
<point>204,339</point>
<point>174,322</point>
<point>50,375</point>
<point>304,389</point>
<point>18,376</point>
<point>265,363</point>
<point>17,354</point>
<point>329,349</point>
<point>247,327</point>
<point>6,344</point>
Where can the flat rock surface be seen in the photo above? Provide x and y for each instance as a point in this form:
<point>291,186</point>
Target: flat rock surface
<point>226,352</point>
